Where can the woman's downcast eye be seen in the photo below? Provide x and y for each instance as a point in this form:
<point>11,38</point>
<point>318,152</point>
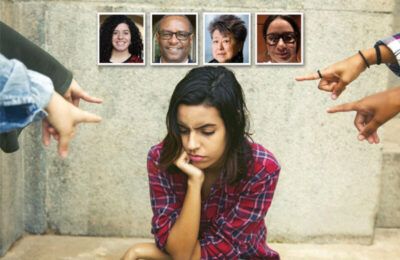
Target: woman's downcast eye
<point>208,133</point>
<point>183,130</point>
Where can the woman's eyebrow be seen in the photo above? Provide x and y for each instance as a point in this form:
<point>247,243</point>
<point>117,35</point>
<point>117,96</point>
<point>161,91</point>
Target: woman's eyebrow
<point>205,126</point>
<point>199,127</point>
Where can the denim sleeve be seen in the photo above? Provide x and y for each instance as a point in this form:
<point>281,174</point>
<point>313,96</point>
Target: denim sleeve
<point>393,43</point>
<point>23,95</point>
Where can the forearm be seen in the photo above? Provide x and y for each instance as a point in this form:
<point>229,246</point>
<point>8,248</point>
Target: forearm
<point>394,98</point>
<point>183,236</point>
<point>196,252</point>
<point>387,55</point>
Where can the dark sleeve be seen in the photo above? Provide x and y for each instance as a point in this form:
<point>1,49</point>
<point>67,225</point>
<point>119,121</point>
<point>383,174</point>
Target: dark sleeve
<point>9,141</point>
<point>15,46</point>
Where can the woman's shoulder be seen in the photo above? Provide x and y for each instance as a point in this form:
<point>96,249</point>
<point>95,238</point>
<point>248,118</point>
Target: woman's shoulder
<point>263,158</point>
<point>154,153</point>
<point>153,161</point>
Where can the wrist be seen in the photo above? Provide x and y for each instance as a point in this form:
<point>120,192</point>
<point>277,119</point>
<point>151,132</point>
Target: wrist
<point>55,100</point>
<point>368,57</point>
<point>52,102</point>
<point>196,181</point>
<point>359,63</point>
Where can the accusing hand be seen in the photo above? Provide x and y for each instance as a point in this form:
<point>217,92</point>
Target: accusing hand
<point>337,76</point>
<point>64,117</point>
<point>372,112</point>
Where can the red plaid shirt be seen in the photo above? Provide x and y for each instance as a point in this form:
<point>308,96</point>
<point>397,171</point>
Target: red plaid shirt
<point>232,217</point>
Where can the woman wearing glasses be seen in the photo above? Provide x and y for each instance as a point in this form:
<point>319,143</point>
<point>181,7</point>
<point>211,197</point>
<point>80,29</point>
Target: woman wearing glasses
<point>120,41</point>
<point>228,34</point>
<point>174,35</point>
<point>282,38</point>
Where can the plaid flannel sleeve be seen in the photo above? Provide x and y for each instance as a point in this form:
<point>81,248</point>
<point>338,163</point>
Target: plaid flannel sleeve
<point>393,43</point>
<point>164,203</point>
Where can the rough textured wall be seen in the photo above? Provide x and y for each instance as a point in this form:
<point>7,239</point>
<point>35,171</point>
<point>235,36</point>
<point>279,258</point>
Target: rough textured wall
<point>329,184</point>
<point>11,199</point>
<point>389,203</point>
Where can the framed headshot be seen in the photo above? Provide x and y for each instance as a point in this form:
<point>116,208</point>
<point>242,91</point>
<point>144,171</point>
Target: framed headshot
<point>174,39</point>
<point>279,39</point>
<point>226,38</point>
<point>121,39</point>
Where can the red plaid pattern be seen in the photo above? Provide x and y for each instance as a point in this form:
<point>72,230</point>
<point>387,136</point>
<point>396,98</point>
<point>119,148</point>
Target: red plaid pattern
<point>232,217</point>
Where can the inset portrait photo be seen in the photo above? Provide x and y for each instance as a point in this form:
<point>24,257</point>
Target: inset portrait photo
<point>174,39</point>
<point>279,39</point>
<point>226,38</point>
<point>121,39</point>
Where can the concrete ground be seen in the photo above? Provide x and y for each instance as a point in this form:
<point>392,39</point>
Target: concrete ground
<point>386,246</point>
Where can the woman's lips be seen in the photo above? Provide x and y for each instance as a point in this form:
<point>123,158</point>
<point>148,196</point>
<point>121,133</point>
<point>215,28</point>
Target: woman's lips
<point>196,158</point>
<point>283,54</point>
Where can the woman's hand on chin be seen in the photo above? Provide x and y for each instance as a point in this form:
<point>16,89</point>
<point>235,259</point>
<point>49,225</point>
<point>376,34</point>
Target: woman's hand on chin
<point>184,164</point>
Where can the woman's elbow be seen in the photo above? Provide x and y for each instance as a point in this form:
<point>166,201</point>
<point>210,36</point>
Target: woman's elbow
<point>180,253</point>
<point>182,256</point>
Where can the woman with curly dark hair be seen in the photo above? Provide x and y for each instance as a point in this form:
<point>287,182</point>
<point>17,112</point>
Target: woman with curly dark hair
<point>120,41</point>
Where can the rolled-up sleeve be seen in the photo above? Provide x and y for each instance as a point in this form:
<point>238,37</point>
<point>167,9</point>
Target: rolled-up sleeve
<point>23,95</point>
<point>232,233</point>
<point>164,202</point>
<point>393,43</point>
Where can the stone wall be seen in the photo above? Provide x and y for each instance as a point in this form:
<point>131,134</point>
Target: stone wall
<point>329,184</point>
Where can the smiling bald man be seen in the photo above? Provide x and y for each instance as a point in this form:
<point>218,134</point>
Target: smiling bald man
<point>174,36</point>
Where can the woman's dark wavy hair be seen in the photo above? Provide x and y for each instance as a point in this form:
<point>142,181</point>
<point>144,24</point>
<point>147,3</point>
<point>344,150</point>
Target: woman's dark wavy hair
<point>106,33</point>
<point>288,19</point>
<point>216,87</point>
<point>230,24</point>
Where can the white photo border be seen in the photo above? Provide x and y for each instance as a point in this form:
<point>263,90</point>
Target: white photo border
<point>249,38</point>
<point>195,44</point>
<point>143,38</point>
<point>301,63</point>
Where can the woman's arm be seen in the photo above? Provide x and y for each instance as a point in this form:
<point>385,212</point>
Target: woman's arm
<point>183,236</point>
<point>147,251</point>
<point>337,76</point>
<point>175,220</point>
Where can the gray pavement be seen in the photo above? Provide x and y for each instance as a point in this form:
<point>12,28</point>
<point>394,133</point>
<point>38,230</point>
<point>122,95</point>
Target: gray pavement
<point>386,245</point>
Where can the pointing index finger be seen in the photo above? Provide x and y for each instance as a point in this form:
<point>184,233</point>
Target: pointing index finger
<point>342,108</point>
<point>312,76</point>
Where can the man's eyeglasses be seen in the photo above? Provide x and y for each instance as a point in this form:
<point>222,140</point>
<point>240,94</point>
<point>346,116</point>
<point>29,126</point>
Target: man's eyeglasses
<point>180,35</point>
<point>273,38</point>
